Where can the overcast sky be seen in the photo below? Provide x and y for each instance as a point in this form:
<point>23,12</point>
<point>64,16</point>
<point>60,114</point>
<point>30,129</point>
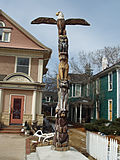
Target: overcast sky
<point>103,15</point>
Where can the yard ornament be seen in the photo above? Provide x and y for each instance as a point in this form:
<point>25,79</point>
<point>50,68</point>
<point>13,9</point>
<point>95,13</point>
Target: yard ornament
<point>61,138</point>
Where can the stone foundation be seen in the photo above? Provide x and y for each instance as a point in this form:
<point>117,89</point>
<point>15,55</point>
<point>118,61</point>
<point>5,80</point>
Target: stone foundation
<point>27,117</point>
<point>5,118</point>
<point>39,118</point>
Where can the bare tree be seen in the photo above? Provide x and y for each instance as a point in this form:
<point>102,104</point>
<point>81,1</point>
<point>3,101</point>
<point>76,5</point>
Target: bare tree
<point>94,59</point>
<point>75,66</point>
<point>111,53</point>
<point>51,82</point>
<point>82,64</point>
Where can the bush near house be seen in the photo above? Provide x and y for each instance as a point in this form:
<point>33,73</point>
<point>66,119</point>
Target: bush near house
<point>104,126</point>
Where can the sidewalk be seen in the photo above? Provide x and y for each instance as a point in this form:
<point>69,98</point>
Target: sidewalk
<point>46,152</point>
<point>12,147</point>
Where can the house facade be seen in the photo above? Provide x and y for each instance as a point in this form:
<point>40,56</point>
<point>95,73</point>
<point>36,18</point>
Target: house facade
<point>23,61</point>
<point>49,103</point>
<point>107,93</point>
<point>80,103</point>
<point>96,96</point>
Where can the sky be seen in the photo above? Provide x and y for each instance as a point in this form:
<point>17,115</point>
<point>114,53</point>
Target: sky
<point>103,16</point>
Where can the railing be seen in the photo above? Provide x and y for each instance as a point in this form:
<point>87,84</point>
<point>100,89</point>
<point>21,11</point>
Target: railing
<point>100,148</point>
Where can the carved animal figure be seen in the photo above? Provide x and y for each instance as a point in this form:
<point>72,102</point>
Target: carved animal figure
<point>61,22</point>
<point>63,70</point>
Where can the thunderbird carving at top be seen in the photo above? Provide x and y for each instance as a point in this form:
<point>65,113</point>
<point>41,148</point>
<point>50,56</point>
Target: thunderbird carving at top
<point>61,22</point>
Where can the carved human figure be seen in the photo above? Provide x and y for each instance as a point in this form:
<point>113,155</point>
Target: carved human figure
<point>63,44</point>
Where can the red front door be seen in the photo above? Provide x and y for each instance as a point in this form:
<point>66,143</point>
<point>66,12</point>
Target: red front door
<point>17,107</point>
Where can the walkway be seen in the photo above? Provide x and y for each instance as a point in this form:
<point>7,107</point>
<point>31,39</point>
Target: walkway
<point>12,147</point>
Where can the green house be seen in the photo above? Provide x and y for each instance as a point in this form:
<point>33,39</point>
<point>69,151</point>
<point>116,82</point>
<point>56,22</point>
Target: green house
<point>80,103</point>
<point>49,103</point>
<point>96,96</point>
<point>107,93</point>
<point>91,97</point>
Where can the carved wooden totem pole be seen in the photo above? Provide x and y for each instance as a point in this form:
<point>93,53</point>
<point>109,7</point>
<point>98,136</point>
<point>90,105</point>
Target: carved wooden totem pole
<point>61,137</point>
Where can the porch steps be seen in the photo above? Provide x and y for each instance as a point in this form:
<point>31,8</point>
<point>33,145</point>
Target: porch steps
<point>11,130</point>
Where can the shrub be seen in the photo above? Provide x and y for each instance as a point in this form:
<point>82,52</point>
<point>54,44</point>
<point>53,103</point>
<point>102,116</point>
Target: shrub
<point>105,130</point>
<point>117,120</point>
<point>101,121</point>
<point>104,126</point>
<point>91,127</point>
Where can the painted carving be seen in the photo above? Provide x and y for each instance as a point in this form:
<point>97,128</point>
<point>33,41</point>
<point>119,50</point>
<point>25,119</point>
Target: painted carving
<point>61,138</point>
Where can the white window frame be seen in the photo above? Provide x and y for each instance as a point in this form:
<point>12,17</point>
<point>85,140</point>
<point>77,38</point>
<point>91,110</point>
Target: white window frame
<point>76,90</point>
<point>72,89</point>
<point>2,23</point>
<point>110,82</point>
<point>110,100</point>
<point>49,99</point>
<point>9,35</point>
<point>97,86</point>
<point>29,64</point>
<point>5,30</point>
<point>87,89</point>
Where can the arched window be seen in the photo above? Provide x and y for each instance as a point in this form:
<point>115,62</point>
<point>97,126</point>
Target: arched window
<point>4,33</point>
<point>1,30</point>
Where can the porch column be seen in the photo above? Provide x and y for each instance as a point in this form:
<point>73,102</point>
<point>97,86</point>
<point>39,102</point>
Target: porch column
<point>51,111</point>
<point>40,70</point>
<point>40,103</point>
<point>80,113</point>
<point>76,114</point>
<point>34,105</point>
<point>97,111</point>
<point>1,100</point>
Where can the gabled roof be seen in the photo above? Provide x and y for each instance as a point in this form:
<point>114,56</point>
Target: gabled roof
<point>78,78</point>
<point>107,70</point>
<point>48,50</point>
<point>54,95</point>
<point>42,48</point>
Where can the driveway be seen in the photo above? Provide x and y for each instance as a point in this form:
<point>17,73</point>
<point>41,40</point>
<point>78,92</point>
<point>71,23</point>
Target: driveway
<point>12,147</point>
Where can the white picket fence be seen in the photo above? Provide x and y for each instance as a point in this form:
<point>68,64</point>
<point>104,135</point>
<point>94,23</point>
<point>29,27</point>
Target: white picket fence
<point>100,148</point>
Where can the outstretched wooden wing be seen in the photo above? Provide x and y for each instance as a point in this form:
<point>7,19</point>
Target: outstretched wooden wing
<point>44,20</point>
<point>77,21</point>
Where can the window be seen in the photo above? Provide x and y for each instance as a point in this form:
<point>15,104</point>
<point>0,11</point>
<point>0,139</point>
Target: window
<point>48,99</point>
<point>97,86</point>
<point>87,89</point>
<point>77,90</point>
<point>110,82</point>
<point>23,65</point>
<point>4,33</point>
<point>110,110</point>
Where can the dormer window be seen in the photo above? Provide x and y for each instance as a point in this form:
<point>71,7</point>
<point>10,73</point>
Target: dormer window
<point>5,33</point>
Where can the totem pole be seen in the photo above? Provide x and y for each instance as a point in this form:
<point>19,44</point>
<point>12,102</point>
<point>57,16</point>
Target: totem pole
<point>61,137</point>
